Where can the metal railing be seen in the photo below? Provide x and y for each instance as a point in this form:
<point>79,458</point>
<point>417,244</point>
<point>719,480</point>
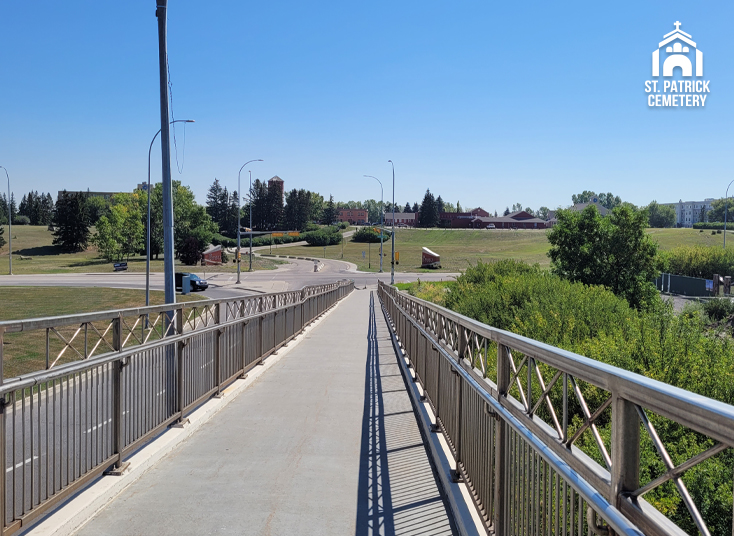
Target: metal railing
<point>136,371</point>
<point>513,411</point>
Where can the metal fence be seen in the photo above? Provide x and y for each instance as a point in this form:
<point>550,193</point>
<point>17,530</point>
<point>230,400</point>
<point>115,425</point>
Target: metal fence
<point>513,411</point>
<point>133,373</point>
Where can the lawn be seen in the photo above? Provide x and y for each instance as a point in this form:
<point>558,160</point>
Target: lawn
<point>25,352</point>
<point>461,247</point>
<point>33,253</point>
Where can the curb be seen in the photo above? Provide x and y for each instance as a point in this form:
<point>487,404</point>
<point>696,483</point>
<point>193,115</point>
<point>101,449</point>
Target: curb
<point>72,515</point>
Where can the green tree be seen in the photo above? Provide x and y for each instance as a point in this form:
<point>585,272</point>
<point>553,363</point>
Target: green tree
<point>2,238</point>
<point>543,213</point>
<point>609,200</point>
<point>429,212</point>
<point>71,222</point>
<point>660,215</point>
<point>297,209</point>
<point>96,208</point>
<point>407,208</point>
<point>214,199</point>
<point>458,207</point>
<point>614,251</point>
<point>439,206</point>
<point>506,212</point>
<point>120,232</point>
<point>584,197</point>
<point>719,209</point>
<point>330,212</point>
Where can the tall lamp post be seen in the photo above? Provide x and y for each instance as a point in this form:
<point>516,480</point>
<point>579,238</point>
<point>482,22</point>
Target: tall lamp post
<point>382,216</point>
<point>10,228</point>
<point>392,265</point>
<point>239,196</point>
<point>147,231</point>
<point>726,209</point>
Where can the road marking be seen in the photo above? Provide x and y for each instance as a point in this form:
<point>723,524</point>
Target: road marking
<point>21,464</point>
<point>93,428</point>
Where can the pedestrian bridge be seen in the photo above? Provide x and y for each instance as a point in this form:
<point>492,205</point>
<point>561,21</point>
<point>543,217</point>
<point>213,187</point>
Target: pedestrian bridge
<point>329,410</point>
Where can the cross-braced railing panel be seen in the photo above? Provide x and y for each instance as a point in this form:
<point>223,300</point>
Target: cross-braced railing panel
<point>108,382</point>
<point>575,422</point>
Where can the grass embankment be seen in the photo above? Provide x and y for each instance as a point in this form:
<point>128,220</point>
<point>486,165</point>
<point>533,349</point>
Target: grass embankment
<point>26,351</point>
<point>461,248</point>
<point>34,253</point>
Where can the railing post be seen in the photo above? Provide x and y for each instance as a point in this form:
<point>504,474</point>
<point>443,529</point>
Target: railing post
<point>625,449</point>
<point>500,520</point>
<point>3,441</point>
<point>179,365</point>
<point>218,352</point>
<point>119,441</point>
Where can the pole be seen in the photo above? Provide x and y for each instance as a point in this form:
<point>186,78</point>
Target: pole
<point>382,217</point>
<point>239,196</point>
<point>10,228</point>
<point>147,230</point>
<point>726,210</point>
<point>169,281</point>
<point>250,194</point>
<point>392,264</point>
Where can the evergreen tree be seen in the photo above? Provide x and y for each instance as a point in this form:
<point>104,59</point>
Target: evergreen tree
<point>458,207</point>
<point>2,239</point>
<point>439,206</point>
<point>506,212</point>
<point>416,208</point>
<point>3,209</point>
<point>216,203</point>
<point>330,212</point>
<point>429,211</point>
<point>274,216</point>
<point>72,222</point>
<point>407,208</point>
<point>259,197</point>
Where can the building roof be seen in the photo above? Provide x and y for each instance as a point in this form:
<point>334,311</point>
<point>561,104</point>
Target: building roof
<point>580,207</point>
<point>212,248</point>
<point>276,179</point>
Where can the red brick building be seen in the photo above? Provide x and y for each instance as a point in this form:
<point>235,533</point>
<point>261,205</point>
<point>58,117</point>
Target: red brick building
<point>461,220</point>
<point>212,256</point>
<point>355,216</point>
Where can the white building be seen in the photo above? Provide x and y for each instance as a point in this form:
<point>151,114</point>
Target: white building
<point>689,212</point>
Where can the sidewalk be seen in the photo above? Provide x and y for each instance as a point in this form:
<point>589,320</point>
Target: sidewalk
<point>326,442</point>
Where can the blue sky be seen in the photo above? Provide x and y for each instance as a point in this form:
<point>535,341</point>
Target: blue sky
<point>484,102</point>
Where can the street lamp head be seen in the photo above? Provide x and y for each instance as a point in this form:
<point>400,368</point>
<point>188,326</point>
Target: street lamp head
<point>189,121</point>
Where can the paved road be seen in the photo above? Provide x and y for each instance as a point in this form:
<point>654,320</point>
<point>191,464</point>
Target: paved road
<point>326,442</point>
<point>292,276</point>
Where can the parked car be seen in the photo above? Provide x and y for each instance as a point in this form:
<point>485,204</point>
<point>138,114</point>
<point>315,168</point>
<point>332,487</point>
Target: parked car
<point>490,226</point>
<point>197,283</point>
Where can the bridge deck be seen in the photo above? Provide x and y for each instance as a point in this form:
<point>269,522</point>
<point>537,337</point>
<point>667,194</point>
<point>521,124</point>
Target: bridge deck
<point>326,442</point>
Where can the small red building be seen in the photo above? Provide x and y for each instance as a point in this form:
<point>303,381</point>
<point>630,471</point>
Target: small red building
<point>212,256</point>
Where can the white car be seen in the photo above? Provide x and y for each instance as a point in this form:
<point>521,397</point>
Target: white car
<point>490,226</point>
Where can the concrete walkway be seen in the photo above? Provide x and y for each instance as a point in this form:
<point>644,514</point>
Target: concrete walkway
<point>326,442</point>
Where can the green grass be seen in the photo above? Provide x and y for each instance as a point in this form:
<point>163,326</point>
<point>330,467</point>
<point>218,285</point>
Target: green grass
<point>33,253</point>
<point>25,352</point>
<point>459,248</point>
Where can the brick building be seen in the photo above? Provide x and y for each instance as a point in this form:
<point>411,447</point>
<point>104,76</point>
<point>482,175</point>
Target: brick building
<point>355,216</point>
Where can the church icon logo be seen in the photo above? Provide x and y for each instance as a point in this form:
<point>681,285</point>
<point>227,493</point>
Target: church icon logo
<point>678,45</point>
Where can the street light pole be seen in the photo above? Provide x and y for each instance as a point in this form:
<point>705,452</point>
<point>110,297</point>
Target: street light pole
<point>239,196</point>
<point>10,228</point>
<point>392,265</point>
<point>382,217</point>
<point>726,209</point>
<point>169,281</point>
<point>249,193</point>
<point>147,232</point>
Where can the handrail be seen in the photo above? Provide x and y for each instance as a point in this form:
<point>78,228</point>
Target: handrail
<point>437,340</point>
<point>68,423</point>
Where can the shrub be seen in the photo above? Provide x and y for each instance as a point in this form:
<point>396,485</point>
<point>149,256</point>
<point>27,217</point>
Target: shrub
<point>697,261</point>
<point>368,234</point>
<point>718,308</point>
<point>21,220</point>
<point>327,236</point>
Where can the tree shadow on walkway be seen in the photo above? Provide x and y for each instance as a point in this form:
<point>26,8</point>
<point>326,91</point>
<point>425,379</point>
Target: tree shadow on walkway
<point>398,492</point>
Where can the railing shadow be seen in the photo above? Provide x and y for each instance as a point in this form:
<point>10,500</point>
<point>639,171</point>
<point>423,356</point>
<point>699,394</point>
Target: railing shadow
<point>398,493</point>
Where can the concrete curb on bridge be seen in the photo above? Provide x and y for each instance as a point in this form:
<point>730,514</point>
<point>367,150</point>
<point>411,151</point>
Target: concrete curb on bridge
<point>74,514</point>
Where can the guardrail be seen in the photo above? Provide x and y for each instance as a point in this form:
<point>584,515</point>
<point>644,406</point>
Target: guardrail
<point>137,371</point>
<point>513,432</point>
